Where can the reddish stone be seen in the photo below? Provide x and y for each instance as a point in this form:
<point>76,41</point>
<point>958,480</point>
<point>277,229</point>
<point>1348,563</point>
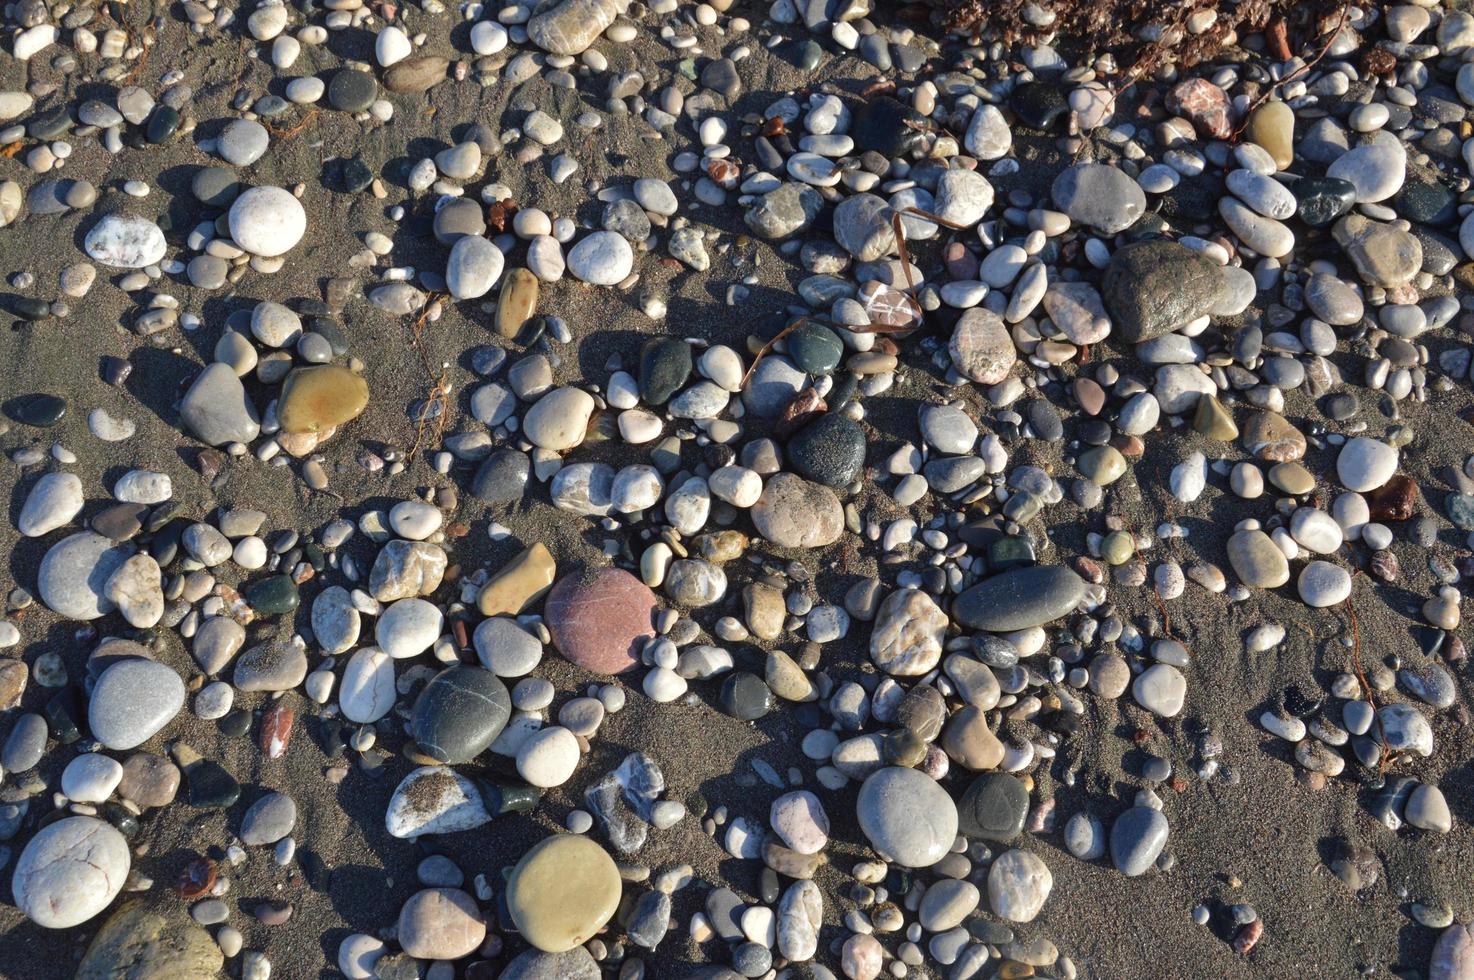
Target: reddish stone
<point>1203,104</point>
<point>600,619</point>
<point>276,730</point>
<point>197,878</point>
<point>961,264</point>
<point>1396,500</point>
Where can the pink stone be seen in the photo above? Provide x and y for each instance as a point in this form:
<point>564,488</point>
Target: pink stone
<point>1203,104</point>
<point>601,618</point>
<point>1453,956</point>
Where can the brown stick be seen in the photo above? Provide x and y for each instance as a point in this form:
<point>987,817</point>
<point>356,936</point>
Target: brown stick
<point>1366,688</point>
<point>763,350</point>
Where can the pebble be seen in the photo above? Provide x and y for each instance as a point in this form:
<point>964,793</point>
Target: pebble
<point>907,816</point>
<point>70,871</point>
<point>562,891</point>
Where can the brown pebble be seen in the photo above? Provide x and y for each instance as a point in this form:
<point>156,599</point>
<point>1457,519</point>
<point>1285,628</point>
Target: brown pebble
<point>276,730</point>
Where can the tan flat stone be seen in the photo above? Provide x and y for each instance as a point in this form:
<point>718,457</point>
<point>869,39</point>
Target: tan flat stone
<point>318,398</point>
<point>517,302</point>
<point>522,581</point>
<point>562,892</point>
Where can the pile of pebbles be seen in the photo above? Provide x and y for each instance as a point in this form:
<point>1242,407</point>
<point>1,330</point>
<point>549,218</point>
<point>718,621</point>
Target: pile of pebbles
<point>1195,339</point>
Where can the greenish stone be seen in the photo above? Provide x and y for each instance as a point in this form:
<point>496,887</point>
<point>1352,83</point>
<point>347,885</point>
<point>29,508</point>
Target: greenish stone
<point>1009,551</point>
<point>1460,509</point>
<point>163,123</point>
<point>903,747</point>
<point>272,596</point>
<point>1118,547</point>
<point>504,798</point>
<point>1022,507</point>
<point>809,54</point>
<point>815,348</point>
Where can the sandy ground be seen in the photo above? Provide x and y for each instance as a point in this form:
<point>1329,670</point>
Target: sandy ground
<point>1259,837</point>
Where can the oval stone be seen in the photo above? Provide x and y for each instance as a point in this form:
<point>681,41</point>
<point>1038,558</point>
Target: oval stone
<point>1020,599</point>
<point>562,892</point>
<point>600,619</point>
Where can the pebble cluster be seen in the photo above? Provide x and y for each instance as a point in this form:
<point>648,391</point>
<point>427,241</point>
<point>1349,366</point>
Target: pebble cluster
<point>1194,336</point>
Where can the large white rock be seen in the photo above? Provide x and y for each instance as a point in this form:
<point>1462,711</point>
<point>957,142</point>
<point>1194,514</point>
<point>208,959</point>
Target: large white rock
<point>267,221</point>
<point>125,243</point>
<point>70,871</point>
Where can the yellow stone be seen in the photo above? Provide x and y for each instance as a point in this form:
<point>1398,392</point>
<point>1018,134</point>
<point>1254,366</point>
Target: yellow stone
<point>1214,420</point>
<point>562,892</point>
<point>321,397</point>
<point>521,581</point>
<point>1272,126</point>
<point>517,302</point>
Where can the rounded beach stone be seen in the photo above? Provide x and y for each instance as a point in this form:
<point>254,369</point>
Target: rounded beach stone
<point>981,348</point>
<point>70,871</point>
<point>1018,885</point>
<point>795,513</point>
<point>460,713</point>
<point>125,243</point>
<point>1257,561</point>
<point>132,700</point>
<point>562,892</point>
<point>600,619</point>
<point>74,574</point>
<point>440,924</point>
<point>604,258</point>
<point>1137,837</point>
<point>139,944</point>
<point>367,692</point>
<point>559,419</point>
<point>907,816</point>
<point>434,800</point>
<point>1365,464</point>
<point>267,221</point>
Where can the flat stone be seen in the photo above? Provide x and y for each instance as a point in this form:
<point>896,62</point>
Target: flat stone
<point>562,892</point>
<point>600,619</point>
<point>268,820</point>
<point>1257,561</point>
<point>1098,196</point>
<point>993,807</point>
<point>267,221</point>
<point>434,800</point>
<point>367,692</point>
<point>74,574</point>
<point>1020,599</point>
<point>52,502</point>
<point>1137,838</point>
<point>321,397</point>
<point>981,347</point>
<point>907,816</point>
<point>520,582</point>
<point>1364,464</point>
<point>136,943</point>
<point>279,665</point>
<point>796,513</point>
<point>132,700</point>
<point>70,871</point>
<point>1018,885</point>
<point>459,713</point>
<point>125,243</point>
<point>440,924</point>
<point>570,26</point>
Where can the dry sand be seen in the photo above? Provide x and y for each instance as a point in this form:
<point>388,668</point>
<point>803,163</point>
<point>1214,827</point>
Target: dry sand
<point>1256,835</point>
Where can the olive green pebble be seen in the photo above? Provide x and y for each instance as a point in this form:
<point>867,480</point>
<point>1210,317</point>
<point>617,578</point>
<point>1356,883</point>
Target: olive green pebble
<point>1118,547</point>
